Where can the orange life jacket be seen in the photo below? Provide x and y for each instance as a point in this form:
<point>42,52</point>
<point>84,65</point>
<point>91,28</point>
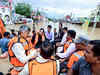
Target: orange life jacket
<point>13,60</point>
<point>14,72</point>
<point>67,45</point>
<point>47,68</point>
<point>2,28</point>
<point>74,58</point>
<point>30,43</point>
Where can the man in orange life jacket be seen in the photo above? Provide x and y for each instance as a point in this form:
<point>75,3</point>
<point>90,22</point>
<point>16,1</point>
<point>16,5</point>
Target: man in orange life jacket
<point>81,45</point>
<point>19,49</point>
<point>70,48</point>
<point>43,64</point>
<point>90,63</point>
<point>70,45</point>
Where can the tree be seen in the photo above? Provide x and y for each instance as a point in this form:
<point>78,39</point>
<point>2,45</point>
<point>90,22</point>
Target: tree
<point>38,13</point>
<point>50,19</point>
<point>23,9</point>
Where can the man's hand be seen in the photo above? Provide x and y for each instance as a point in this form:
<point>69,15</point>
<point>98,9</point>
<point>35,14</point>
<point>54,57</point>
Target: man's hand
<point>57,54</point>
<point>58,44</point>
<point>34,53</point>
<point>70,72</point>
<point>61,60</point>
<point>4,55</point>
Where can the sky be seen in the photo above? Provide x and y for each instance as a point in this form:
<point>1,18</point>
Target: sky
<point>60,8</point>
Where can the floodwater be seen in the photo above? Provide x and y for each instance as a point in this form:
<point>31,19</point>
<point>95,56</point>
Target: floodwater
<point>4,64</point>
<point>95,35</point>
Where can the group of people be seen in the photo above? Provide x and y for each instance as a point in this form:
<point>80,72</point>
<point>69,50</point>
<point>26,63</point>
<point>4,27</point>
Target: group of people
<point>4,40</point>
<point>51,53</point>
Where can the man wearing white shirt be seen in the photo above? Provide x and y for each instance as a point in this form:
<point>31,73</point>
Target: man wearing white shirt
<point>19,50</point>
<point>60,49</point>
<point>71,48</point>
<point>49,35</point>
<point>64,36</point>
<point>68,52</point>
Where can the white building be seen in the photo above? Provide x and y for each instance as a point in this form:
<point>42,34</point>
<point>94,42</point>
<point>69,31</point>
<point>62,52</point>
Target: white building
<point>5,10</point>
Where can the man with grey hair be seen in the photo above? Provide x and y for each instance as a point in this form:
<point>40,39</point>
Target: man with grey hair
<point>19,50</point>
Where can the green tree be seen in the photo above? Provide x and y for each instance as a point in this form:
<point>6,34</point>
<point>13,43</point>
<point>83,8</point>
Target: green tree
<point>38,13</point>
<point>23,9</point>
<point>50,19</point>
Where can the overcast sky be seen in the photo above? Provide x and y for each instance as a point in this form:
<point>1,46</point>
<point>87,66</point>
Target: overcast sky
<point>59,8</point>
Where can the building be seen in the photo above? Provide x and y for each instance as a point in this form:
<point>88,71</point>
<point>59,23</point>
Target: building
<point>5,9</point>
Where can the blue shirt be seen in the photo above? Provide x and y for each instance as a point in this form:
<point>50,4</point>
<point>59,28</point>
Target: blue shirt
<point>4,44</point>
<point>11,36</point>
<point>49,36</point>
<point>82,67</point>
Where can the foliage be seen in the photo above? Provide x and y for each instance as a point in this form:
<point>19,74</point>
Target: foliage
<point>23,9</point>
<point>49,19</point>
<point>38,13</point>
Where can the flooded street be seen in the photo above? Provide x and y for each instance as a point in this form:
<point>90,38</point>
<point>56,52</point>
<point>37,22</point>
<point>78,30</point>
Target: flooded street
<point>95,35</point>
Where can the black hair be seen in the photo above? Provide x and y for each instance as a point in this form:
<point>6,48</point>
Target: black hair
<point>33,31</point>
<point>0,35</point>
<point>33,37</point>
<point>96,47</point>
<point>6,16</point>
<point>65,28</point>
<point>29,29</point>
<point>47,50</point>
<point>72,33</point>
<point>8,74</point>
<point>1,73</point>
<point>49,26</point>
<point>41,29</point>
<point>94,42</point>
<point>12,30</point>
<point>6,34</point>
<point>60,24</point>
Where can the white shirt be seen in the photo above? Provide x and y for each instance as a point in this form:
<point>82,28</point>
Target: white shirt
<point>19,52</point>
<point>60,49</point>
<point>50,36</point>
<point>25,70</point>
<point>68,52</point>
<point>64,38</point>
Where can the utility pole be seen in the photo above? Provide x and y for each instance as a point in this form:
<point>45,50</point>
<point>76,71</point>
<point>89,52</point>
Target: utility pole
<point>96,17</point>
<point>10,7</point>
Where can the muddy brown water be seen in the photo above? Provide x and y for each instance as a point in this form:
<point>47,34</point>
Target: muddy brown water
<point>93,35</point>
